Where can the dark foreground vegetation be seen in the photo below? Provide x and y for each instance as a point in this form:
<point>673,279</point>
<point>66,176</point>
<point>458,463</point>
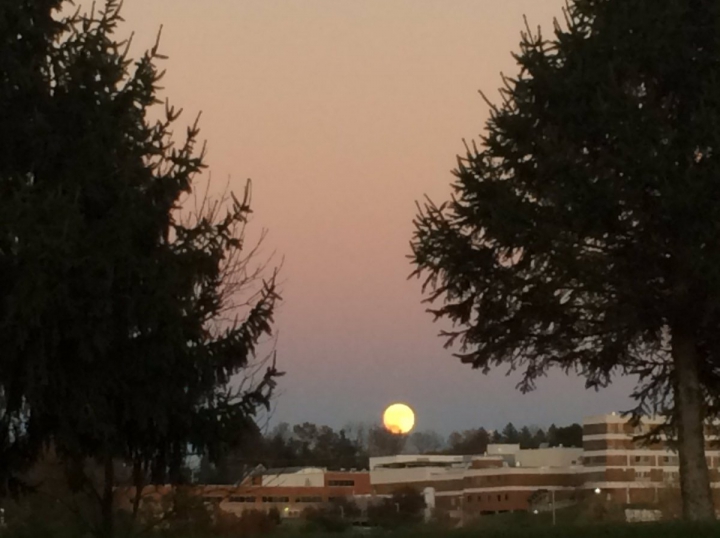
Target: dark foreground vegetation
<point>636,530</point>
<point>613,530</point>
<point>188,517</point>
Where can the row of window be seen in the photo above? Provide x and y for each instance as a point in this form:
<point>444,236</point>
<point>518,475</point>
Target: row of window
<point>343,483</point>
<point>490,498</point>
<point>639,460</point>
<point>251,499</point>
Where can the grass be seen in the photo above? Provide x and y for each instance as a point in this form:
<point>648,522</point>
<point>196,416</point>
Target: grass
<point>574,522</point>
<point>613,530</point>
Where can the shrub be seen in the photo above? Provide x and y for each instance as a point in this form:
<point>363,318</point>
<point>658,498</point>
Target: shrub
<point>324,520</point>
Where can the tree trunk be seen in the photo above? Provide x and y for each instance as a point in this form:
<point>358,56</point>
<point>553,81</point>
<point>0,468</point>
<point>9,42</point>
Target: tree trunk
<point>139,483</point>
<point>694,475</point>
<point>107,513</point>
<point>158,472</point>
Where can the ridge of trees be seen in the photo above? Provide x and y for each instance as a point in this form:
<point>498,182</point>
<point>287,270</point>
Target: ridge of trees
<point>310,445</point>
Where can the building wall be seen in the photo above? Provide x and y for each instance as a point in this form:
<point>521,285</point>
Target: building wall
<point>438,483</point>
<point>424,460</point>
<point>476,491</point>
<point>289,500</point>
<point>343,484</point>
<point>522,477</point>
<point>487,462</point>
<point>627,470</point>
<point>309,478</point>
<point>403,475</point>
<point>549,457</point>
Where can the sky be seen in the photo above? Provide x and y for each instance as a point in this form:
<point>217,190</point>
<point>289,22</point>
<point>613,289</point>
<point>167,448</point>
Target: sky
<point>344,113</point>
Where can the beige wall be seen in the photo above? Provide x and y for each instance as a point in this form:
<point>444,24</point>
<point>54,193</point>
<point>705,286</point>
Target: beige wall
<point>549,457</point>
<point>307,478</point>
<point>414,458</point>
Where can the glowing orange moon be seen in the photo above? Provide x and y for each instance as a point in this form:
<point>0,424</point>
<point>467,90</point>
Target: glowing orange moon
<point>399,418</point>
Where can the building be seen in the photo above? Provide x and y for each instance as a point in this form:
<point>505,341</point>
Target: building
<point>503,480</point>
<point>630,471</point>
<point>613,463</point>
<point>289,490</point>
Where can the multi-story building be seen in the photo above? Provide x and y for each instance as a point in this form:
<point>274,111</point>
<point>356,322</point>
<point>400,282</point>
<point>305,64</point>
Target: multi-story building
<point>628,470</point>
<point>613,462</point>
<point>502,480</point>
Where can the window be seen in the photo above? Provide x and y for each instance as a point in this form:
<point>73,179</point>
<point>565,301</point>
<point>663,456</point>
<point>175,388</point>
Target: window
<point>341,483</point>
<point>276,499</point>
<point>499,497</point>
<point>469,499</point>
<point>308,500</point>
<point>242,499</point>
<point>506,496</point>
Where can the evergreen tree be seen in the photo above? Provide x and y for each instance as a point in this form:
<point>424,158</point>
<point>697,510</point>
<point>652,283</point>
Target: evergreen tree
<point>539,438</point>
<point>582,233</point>
<point>468,442</point>
<point>120,322</point>
<point>526,438</point>
<point>569,436</point>
<point>510,434</point>
<point>552,435</point>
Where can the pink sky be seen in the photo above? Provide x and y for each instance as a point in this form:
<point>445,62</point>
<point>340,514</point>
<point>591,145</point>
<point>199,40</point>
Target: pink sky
<point>344,112</point>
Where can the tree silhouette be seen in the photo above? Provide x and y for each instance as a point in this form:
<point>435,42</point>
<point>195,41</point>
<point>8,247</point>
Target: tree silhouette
<point>582,231</point>
<point>526,438</point>
<point>426,442</point>
<point>122,323</point>
<point>510,434</point>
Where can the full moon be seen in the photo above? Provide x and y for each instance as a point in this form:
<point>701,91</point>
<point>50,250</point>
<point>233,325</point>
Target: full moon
<point>399,418</point>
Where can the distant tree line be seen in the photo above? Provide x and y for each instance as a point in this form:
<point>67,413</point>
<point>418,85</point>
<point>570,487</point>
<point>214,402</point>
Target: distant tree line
<point>309,444</point>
